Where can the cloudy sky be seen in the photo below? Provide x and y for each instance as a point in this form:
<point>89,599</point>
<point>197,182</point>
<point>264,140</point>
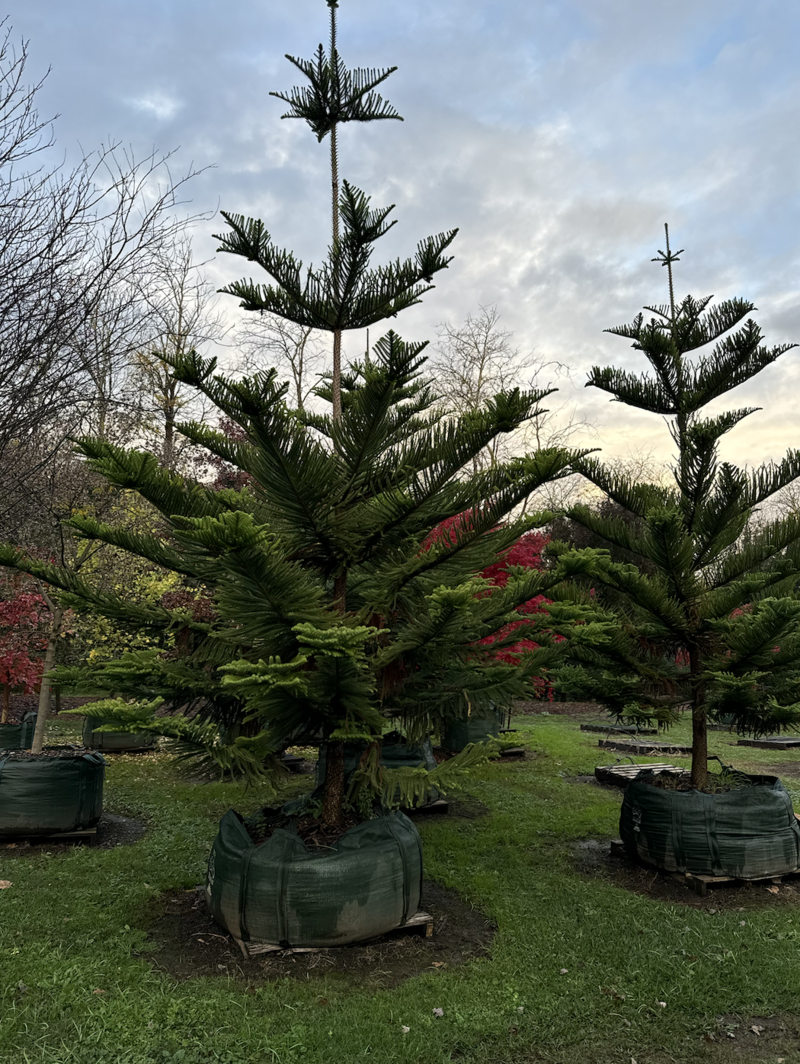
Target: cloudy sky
<point>558,135</point>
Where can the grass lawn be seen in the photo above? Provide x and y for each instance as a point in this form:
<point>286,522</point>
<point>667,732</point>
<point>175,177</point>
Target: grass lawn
<point>582,969</point>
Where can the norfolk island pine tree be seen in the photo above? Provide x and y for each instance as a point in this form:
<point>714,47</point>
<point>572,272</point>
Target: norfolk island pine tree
<point>716,620</point>
<point>329,612</point>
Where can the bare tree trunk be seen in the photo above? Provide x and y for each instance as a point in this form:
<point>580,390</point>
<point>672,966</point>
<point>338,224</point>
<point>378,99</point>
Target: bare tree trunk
<point>333,788</point>
<point>170,404</point>
<point>4,715</point>
<point>699,722</point>
<point>49,662</point>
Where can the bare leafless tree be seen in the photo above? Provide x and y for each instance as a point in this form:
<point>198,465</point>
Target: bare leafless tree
<point>68,238</point>
<point>477,359</point>
<point>267,340</point>
<point>182,316</point>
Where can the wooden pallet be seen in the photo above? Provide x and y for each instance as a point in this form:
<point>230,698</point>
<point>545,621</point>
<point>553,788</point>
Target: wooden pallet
<point>439,806</point>
<point>773,742</point>
<point>88,835</point>
<point>700,883</point>
<point>618,729</point>
<point>253,949</point>
<point>645,749</point>
<point>621,775</point>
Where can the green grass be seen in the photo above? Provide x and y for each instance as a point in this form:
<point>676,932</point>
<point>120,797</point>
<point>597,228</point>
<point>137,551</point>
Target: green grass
<point>74,923</point>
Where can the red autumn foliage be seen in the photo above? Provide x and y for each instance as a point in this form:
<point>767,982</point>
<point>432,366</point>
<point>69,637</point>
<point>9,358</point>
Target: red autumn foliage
<point>227,476</point>
<point>527,553</point>
<point>23,638</point>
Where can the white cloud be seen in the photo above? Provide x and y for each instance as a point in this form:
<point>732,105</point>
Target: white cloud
<point>558,135</point>
<point>158,104</point>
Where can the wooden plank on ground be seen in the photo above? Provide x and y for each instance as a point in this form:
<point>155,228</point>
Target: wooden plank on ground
<point>621,775</point>
<point>773,742</point>
<point>439,806</point>
<point>617,729</point>
<point>645,749</point>
<point>83,835</point>
<point>421,920</point>
<point>700,883</point>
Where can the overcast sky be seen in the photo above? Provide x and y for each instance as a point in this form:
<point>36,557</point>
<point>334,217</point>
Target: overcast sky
<point>558,136</point>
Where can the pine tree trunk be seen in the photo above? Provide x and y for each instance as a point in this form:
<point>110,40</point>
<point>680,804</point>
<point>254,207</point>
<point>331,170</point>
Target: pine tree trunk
<point>44,693</point>
<point>699,723</point>
<point>333,788</point>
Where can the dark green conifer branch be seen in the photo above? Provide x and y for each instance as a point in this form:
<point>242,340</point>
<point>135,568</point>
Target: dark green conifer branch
<point>711,619</point>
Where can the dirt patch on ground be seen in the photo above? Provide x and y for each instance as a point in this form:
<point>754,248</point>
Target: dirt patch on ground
<point>460,805</point>
<point>22,704</point>
<point>593,858</point>
<point>745,1039</point>
<point>190,944</point>
<point>112,830</point>
<point>786,768</point>
<point>559,709</point>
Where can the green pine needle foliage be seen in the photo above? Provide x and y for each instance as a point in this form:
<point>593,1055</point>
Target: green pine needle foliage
<point>278,651</point>
<point>330,605</point>
<point>714,621</point>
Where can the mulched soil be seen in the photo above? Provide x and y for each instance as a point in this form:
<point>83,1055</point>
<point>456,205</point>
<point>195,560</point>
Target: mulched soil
<point>592,857</point>
<point>190,945</point>
<point>313,833</point>
<point>22,704</point>
<point>47,754</point>
<point>112,830</point>
<point>559,709</point>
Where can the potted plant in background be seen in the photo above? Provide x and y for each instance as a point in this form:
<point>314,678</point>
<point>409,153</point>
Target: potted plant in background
<point>713,617</point>
<point>21,615</point>
<point>329,616</point>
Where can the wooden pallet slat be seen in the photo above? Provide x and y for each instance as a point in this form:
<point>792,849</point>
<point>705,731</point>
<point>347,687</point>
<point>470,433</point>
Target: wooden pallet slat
<point>773,742</point>
<point>621,775</point>
<point>700,883</point>
<point>420,920</point>
<point>441,805</point>
<point>82,835</point>
<point>646,748</point>
<point>617,729</point>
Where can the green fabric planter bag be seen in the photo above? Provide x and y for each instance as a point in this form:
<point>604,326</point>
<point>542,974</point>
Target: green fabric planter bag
<point>749,832</point>
<point>18,736</point>
<point>393,755</point>
<point>114,742</point>
<point>45,795</point>
<point>460,733</point>
<point>283,894</point>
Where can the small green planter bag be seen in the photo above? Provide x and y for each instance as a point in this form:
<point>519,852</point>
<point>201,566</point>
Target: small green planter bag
<point>460,733</point>
<point>46,795</point>
<point>18,736</point>
<point>114,742</point>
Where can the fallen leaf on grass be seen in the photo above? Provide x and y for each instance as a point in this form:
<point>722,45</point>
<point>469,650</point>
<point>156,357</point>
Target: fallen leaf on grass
<point>612,993</point>
<point>98,991</point>
<point>5,884</point>
<point>774,890</point>
<point>438,1012</point>
<point>756,1029</point>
